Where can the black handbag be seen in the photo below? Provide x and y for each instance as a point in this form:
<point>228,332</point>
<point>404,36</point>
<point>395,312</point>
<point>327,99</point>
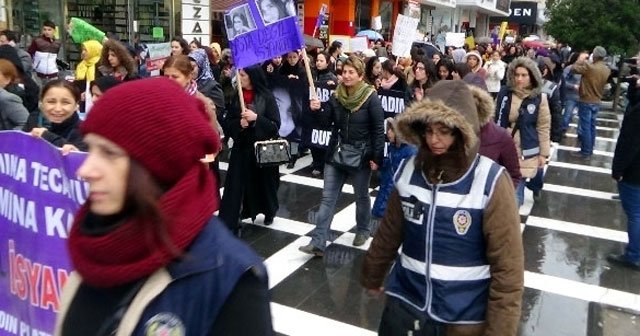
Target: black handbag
<point>271,153</point>
<point>348,156</point>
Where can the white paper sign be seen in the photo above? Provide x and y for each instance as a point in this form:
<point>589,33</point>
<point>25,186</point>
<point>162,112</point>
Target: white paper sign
<point>376,22</point>
<point>346,42</point>
<point>404,35</point>
<point>455,39</point>
<point>359,43</point>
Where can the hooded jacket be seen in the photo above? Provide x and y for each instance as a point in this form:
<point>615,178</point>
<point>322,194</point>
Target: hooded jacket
<point>495,142</point>
<point>534,127</point>
<point>491,305</point>
<point>478,68</point>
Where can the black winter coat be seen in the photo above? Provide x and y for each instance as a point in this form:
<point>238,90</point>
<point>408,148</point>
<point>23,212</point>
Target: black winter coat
<point>626,160</point>
<point>66,132</point>
<point>250,189</point>
<point>365,125</point>
<point>213,90</point>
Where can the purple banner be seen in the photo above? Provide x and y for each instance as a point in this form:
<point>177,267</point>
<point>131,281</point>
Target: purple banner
<point>260,30</point>
<point>39,194</point>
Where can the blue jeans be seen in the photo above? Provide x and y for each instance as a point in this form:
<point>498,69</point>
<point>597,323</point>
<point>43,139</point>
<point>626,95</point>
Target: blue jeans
<point>630,199</point>
<point>334,179</point>
<point>587,127</point>
<point>537,182</point>
<point>520,192</point>
<point>569,106</point>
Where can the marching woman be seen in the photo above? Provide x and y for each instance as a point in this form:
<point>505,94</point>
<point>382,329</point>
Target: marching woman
<point>117,62</point>
<point>324,76</point>
<point>460,268</point>
<point>86,70</point>
<point>179,46</point>
<point>148,254</point>
<point>523,110</point>
<point>357,117</point>
<point>425,76</point>
<point>249,188</point>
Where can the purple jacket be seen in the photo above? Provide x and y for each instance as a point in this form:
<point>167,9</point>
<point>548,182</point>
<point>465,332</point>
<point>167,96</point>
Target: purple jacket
<point>496,143</point>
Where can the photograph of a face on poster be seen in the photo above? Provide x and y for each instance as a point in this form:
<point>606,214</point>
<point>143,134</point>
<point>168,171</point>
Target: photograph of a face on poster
<point>239,21</point>
<point>275,10</point>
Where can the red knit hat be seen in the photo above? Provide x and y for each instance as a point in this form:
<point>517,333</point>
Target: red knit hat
<point>157,123</point>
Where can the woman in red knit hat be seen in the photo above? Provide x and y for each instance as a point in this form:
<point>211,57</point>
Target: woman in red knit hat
<point>148,253</point>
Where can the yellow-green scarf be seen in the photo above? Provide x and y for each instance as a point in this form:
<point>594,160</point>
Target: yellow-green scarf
<point>353,102</point>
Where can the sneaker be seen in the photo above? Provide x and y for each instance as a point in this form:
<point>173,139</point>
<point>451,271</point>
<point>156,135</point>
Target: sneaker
<point>291,165</point>
<point>311,249</point>
<point>621,260</point>
<point>360,239</point>
<point>316,173</point>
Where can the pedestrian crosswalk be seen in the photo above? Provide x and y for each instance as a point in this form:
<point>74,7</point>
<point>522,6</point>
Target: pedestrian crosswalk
<point>570,287</point>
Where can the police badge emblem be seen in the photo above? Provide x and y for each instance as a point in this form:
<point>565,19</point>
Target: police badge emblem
<point>531,108</point>
<point>462,221</point>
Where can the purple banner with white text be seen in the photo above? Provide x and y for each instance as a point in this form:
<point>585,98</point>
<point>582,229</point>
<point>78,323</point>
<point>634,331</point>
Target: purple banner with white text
<point>259,30</point>
<point>39,194</point>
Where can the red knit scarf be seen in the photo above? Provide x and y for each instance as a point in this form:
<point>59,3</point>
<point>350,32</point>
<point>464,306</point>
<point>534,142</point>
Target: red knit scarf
<point>124,254</point>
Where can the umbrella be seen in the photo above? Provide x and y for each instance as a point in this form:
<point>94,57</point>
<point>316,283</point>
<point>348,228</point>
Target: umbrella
<point>310,41</point>
<point>533,44</point>
<point>370,34</point>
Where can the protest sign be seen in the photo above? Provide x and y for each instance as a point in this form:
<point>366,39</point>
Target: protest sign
<point>359,43</point>
<point>158,53</point>
<point>404,35</point>
<point>321,17</point>
<point>314,134</point>
<point>376,22</point>
<point>344,39</point>
<point>256,34</point>
<point>455,39</point>
<point>39,195</point>
<point>392,102</point>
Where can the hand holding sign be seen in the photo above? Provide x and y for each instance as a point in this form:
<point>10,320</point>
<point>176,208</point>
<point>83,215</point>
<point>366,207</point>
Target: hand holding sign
<point>315,104</point>
<point>249,115</point>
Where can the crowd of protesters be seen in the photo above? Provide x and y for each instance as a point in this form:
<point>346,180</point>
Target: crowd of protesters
<point>478,129</point>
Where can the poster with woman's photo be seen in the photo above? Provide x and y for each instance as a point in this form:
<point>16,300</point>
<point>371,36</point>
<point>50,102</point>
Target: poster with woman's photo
<point>239,21</point>
<point>273,11</point>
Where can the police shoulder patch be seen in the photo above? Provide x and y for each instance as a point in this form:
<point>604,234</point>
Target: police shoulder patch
<point>164,324</point>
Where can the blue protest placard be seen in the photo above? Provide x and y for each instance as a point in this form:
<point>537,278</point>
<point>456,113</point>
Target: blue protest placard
<point>259,30</point>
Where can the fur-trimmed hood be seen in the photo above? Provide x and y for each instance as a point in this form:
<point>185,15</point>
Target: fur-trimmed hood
<point>534,73</point>
<point>484,105</point>
<point>477,55</point>
<point>448,102</point>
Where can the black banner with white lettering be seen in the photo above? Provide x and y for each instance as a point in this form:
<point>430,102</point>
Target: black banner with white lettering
<point>314,134</point>
<point>392,102</point>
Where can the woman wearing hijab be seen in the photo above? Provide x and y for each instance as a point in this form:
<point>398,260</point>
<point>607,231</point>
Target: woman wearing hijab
<point>207,85</point>
<point>86,70</point>
<point>250,189</point>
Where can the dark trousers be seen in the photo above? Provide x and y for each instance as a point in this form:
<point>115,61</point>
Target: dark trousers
<point>398,318</point>
<point>318,155</point>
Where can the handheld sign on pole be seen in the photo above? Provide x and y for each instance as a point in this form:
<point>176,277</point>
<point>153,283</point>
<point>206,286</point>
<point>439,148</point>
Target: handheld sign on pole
<point>321,15</point>
<point>256,35</point>
<point>403,35</point>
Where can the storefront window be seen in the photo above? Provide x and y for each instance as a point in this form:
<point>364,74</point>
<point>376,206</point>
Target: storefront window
<point>25,17</point>
<point>363,15</point>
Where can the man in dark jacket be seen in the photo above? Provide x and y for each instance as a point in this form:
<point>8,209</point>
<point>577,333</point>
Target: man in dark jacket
<point>626,170</point>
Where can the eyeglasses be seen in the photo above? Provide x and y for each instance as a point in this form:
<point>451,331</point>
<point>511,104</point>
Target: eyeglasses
<point>420,68</point>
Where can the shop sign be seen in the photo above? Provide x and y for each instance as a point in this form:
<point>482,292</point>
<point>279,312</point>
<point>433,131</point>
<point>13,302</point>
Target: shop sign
<point>196,21</point>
